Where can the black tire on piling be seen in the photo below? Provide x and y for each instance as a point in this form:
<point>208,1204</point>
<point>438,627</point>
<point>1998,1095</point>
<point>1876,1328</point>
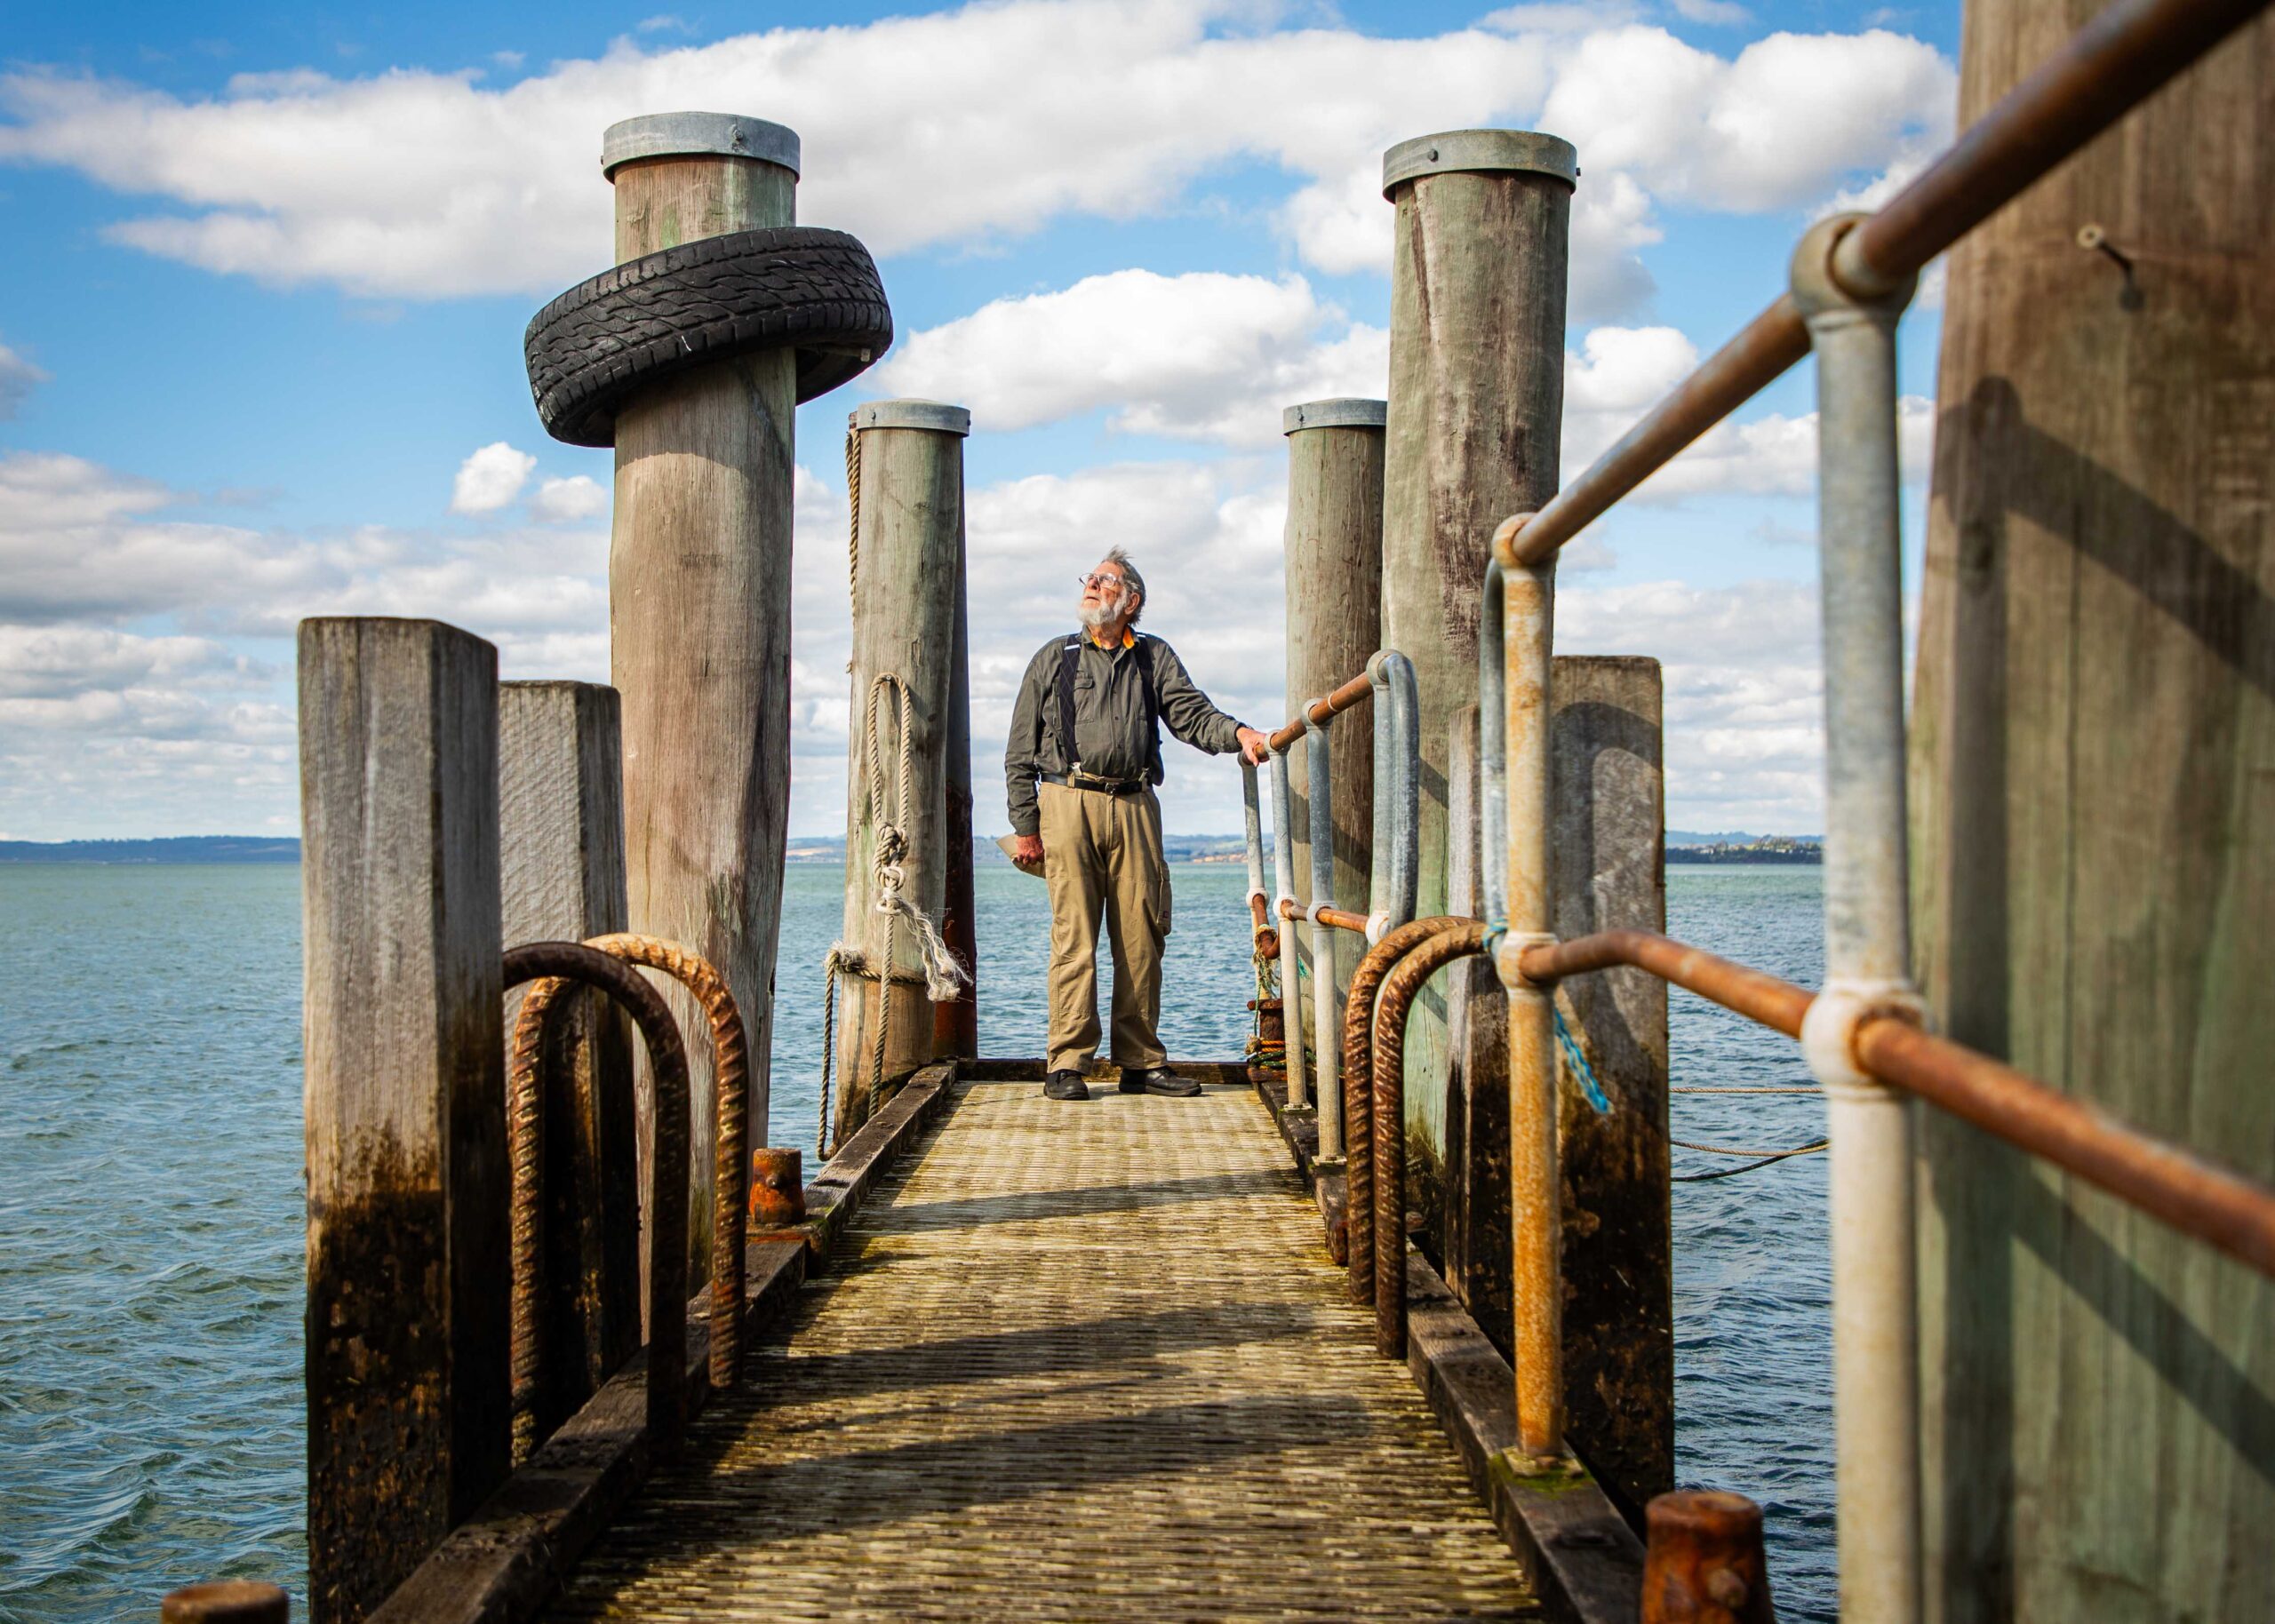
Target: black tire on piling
<point>797,287</point>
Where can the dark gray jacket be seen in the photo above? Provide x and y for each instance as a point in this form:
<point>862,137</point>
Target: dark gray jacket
<point>1110,737</point>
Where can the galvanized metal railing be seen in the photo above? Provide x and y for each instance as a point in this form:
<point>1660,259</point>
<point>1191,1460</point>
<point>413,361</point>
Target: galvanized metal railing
<point>1852,277</point>
<point>1393,881</point>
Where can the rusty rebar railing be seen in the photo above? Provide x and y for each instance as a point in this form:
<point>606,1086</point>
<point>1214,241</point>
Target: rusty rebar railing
<point>1850,280</point>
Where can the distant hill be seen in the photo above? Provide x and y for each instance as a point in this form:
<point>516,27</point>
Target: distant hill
<point>181,848</point>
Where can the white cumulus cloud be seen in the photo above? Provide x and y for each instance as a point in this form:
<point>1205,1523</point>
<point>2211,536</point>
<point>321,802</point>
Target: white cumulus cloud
<point>564,501</point>
<point>1204,355</point>
<point>18,378</point>
<point>1004,117</point>
<point>489,478</point>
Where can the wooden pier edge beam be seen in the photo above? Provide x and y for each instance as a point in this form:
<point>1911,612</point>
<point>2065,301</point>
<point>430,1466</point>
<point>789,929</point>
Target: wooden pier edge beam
<point>505,1562</point>
<point>561,809</point>
<point>1477,274</point>
<point>2093,884</point>
<point>404,974</point>
<point>699,611</point>
<point>909,460</point>
<point>1334,577</point>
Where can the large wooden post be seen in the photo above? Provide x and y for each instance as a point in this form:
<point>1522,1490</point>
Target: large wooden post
<point>1476,404</point>
<point>1617,1248</point>
<point>560,803</point>
<point>700,609</point>
<point>2094,841</point>
<point>1334,592</point>
<point>908,542</point>
<point>405,1096</point>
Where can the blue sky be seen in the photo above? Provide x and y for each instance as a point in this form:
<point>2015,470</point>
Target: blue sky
<point>259,338</point>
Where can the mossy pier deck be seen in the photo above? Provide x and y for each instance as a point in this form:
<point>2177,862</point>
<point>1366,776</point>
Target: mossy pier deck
<point>1068,1361</point>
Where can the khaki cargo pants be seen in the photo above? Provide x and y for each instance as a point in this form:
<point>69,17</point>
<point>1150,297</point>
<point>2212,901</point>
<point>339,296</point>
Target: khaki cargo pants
<point>1103,852</point>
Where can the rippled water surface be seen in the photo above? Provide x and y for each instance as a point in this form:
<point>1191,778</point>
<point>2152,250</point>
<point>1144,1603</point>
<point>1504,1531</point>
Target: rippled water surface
<point>151,1206</point>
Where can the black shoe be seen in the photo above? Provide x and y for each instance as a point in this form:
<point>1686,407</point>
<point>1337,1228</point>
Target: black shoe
<point>1066,1085</point>
<point>1158,1080</point>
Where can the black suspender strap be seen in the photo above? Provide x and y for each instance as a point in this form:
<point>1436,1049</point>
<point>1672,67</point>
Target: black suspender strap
<point>1067,655</point>
<point>1069,652</point>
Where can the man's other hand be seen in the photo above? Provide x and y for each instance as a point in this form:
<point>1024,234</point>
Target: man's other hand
<point>1027,849</point>
<point>1254,746</point>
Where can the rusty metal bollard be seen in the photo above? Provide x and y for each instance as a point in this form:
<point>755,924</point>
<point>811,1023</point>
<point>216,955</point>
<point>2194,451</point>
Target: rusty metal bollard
<point>777,1189</point>
<point>1701,1560</point>
<point>226,1601</point>
<point>1269,1059</point>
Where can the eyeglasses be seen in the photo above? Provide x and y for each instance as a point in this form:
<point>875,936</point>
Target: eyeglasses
<point>1096,579</point>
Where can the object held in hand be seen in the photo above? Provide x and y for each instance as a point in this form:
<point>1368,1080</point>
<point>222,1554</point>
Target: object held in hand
<point>1011,845</point>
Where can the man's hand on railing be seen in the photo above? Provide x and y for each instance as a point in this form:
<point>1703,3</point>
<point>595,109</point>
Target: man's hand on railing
<point>1254,746</point>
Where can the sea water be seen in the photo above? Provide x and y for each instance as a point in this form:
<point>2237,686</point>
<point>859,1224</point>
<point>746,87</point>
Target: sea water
<point>151,1221</point>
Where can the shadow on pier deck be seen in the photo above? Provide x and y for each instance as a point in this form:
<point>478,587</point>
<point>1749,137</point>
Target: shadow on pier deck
<point>1078,1361</point>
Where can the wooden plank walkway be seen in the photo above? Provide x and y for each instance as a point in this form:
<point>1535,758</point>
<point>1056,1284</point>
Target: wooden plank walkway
<point>1071,1361</point>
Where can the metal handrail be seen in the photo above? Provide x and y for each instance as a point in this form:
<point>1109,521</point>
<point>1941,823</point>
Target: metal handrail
<point>2116,62</point>
<point>2194,1195</point>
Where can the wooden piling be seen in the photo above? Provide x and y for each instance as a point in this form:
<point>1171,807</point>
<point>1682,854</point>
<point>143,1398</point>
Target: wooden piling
<point>1618,1244</point>
<point>1334,571</point>
<point>955,1026</point>
<point>700,609</point>
<point>1476,404</point>
<point>560,807</point>
<point>2092,747</point>
<point>909,462</point>
<point>405,1096</point>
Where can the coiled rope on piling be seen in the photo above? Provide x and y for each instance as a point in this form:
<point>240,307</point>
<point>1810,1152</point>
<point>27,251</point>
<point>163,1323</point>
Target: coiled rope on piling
<point>943,978</point>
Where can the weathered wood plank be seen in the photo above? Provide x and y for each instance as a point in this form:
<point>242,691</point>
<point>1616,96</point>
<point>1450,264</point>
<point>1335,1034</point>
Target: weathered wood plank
<point>407,1355</point>
<point>560,805</point>
<point>2094,839</point>
<point>699,643</point>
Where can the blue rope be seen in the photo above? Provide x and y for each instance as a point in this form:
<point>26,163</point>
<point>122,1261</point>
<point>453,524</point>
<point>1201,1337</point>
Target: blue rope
<point>1580,1064</point>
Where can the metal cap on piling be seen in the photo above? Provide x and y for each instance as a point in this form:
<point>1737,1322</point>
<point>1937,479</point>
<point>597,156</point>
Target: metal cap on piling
<point>1455,151</point>
<point>683,135</point>
<point>1340,413</point>
<point>913,414</point>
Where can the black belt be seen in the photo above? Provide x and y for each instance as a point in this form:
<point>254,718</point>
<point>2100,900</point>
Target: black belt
<point>1079,780</point>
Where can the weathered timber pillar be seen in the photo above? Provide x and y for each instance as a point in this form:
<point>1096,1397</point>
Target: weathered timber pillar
<point>1616,1251</point>
<point>700,609</point>
<point>955,1025</point>
<point>1476,404</point>
<point>2093,839</point>
<point>909,461</point>
<point>405,1096</point>
<point>1609,861</point>
<point>560,805</point>
<point>1334,572</point>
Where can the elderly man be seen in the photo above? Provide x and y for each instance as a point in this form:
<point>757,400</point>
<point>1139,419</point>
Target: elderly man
<point>1084,755</point>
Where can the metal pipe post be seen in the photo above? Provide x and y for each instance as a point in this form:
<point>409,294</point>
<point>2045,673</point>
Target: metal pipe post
<point>1520,902</point>
<point>1324,1001</point>
<point>1398,790</point>
<point>1875,1338</point>
<point>1283,865</point>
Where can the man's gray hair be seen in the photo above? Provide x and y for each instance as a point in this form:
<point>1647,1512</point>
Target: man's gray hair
<point>1129,578</point>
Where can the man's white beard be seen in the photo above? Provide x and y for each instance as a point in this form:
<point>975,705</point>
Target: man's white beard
<point>1095,616</point>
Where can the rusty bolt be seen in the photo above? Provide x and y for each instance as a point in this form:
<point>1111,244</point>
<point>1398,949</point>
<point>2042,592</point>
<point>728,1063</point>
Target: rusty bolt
<point>777,1189</point>
<point>226,1601</point>
<point>1702,1562</point>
